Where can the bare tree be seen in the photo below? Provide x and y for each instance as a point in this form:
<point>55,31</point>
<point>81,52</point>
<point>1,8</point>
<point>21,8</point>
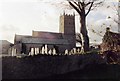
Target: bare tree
<point>116,19</point>
<point>83,7</point>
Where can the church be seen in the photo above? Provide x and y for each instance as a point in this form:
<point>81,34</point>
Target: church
<point>65,39</point>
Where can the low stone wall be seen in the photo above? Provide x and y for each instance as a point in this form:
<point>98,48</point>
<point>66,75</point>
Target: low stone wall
<point>41,66</point>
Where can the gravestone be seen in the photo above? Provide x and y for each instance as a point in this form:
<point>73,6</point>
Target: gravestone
<point>54,51</point>
<point>43,50</point>
<point>50,52</point>
<point>66,52</point>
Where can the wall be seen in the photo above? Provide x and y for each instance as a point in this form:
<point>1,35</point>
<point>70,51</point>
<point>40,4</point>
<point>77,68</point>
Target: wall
<point>5,45</point>
<point>42,66</point>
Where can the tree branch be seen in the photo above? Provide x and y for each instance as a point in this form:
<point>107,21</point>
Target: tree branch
<point>98,4</point>
<point>76,3</point>
<point>87,4</point>
<point>74,7</point>
<point>79,5</point>
<point>89,8</point>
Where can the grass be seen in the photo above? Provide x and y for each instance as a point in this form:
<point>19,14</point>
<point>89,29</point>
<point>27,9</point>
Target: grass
<point>73,66</point>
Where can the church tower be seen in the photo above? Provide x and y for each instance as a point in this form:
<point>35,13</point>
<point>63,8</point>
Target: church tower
<point>67,24</point>
<point>67,28</point>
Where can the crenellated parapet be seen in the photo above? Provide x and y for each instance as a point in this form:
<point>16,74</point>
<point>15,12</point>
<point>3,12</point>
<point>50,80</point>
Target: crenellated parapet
<point>68,14</point>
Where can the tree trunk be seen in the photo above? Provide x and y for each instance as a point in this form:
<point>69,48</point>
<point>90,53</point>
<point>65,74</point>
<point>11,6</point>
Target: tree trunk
<point>84,32</point>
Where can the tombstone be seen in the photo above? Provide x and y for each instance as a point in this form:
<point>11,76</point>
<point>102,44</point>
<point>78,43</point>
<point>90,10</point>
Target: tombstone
<point>54,51</point>
<point>66,52</point>
<point>36,51</point>
<point>32,51</point>
<point>70,53</point>
<point>12,51</point>
<point>82,50</point>
<point>59,54</point>
<point>50,52</point>
<point>43,50</point>
<point>46,49</point>
<point>78,50</point>
<point>74,51</point>
<point>29,54</point>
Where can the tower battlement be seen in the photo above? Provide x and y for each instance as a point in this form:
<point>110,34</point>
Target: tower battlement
<point>68,15</point>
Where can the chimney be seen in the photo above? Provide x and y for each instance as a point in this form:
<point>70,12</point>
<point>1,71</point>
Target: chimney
<point>107,29</point>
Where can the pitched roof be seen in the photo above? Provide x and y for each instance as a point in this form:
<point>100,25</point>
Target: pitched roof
<point>111,37</point>
<point>5,42</point>
<point>111,41</point>
<point>47,35</point>
<point>18,38</point>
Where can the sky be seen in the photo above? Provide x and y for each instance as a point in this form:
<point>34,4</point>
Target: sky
<point>22,16</point>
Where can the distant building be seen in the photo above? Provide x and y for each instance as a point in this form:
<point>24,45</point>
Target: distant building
<point>4,46</point>
<point>111,41</point>
<point>61,41</point>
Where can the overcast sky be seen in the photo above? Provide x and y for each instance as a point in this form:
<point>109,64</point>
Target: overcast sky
<point>23,16</point>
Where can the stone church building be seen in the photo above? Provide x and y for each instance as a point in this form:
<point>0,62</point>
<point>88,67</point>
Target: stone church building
<point>61,41</point>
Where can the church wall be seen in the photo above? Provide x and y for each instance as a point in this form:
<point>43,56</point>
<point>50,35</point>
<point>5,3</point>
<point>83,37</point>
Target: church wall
<point>62,48</point>
<point>71,39</point>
